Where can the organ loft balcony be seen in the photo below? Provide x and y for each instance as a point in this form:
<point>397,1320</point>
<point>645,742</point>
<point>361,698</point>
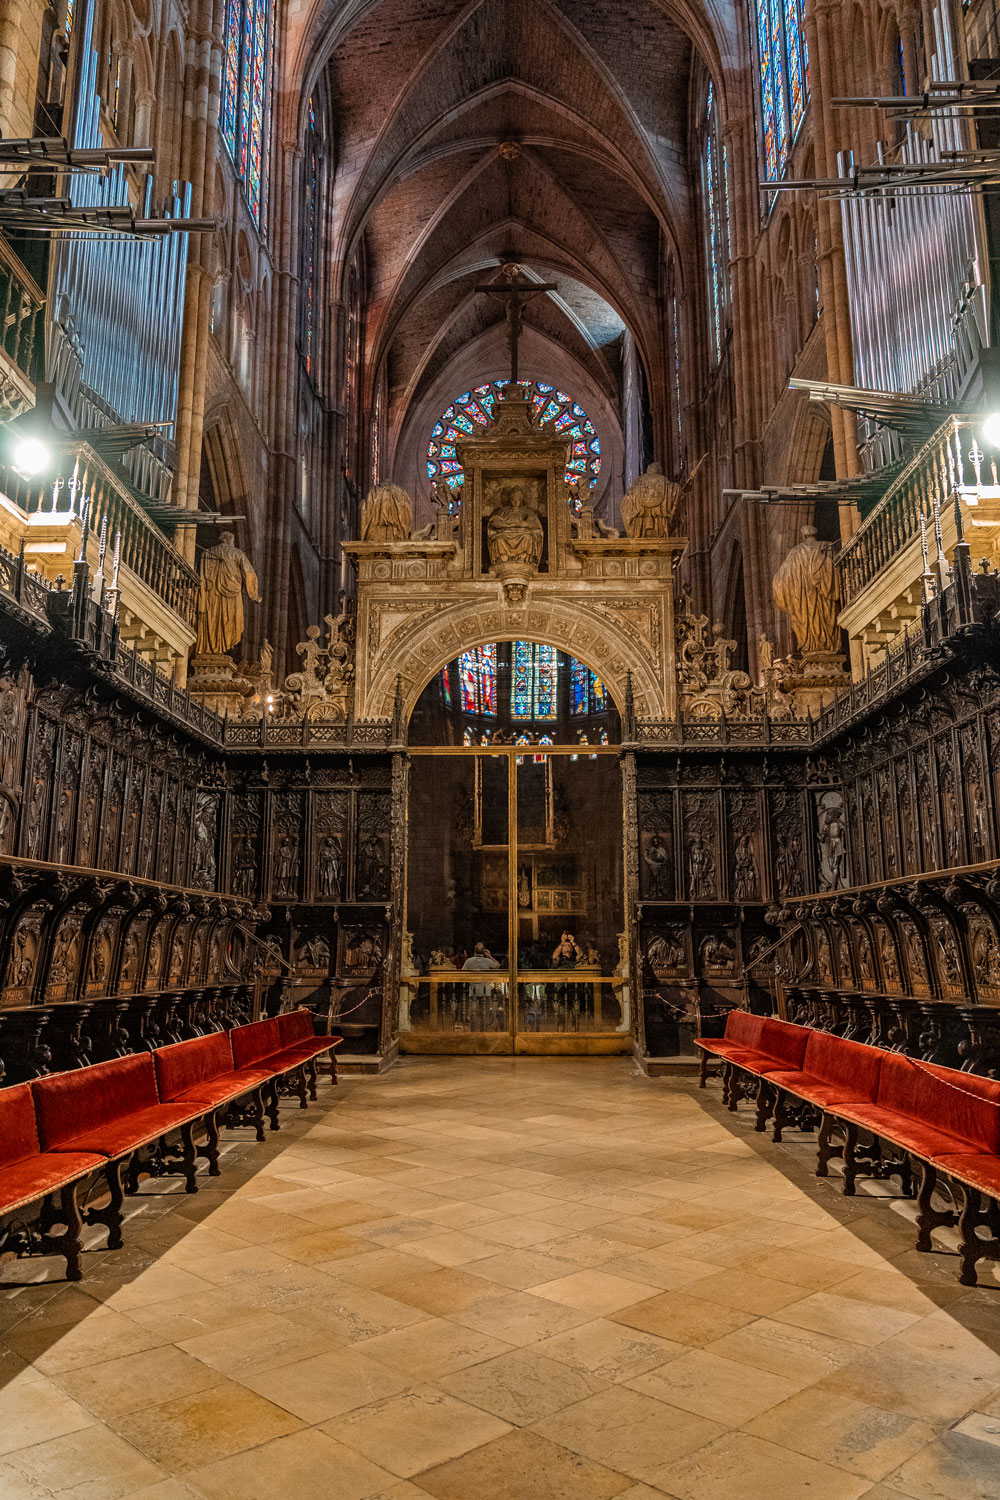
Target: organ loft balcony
<point>126,546</point>
<point>903,549</point>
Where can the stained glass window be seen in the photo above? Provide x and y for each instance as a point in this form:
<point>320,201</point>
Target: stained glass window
<point>588,695</point>
<point>783,63</point>
<point>246,86</point>
<point>477,680</point>
<point>446,687</point>
<point>309,239</point>
<point>534,681</point>
<point>715,198</point>
<point>471,414</point>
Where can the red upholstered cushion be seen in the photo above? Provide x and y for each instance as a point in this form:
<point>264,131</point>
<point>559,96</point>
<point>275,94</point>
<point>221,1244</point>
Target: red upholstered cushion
<point>315,1048</point>
<point>979,1170</point>
<point>295,1026</point>
<point>26,1181</point>
<point>905,1130</point>
<point>816,1090</point>
<point>69,1103</point>
<point>129,1132</point>
<point>252,1043</point>
<point>961,1104</point>
<point>783,1041</point>
<point>186,1064</point>
<point>18,1132</point>
<point>744,1028</point>
<point>849,1066</point>
<point>221,1090</point>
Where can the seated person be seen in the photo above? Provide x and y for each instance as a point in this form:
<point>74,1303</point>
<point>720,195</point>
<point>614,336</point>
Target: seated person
<point>567,952</point>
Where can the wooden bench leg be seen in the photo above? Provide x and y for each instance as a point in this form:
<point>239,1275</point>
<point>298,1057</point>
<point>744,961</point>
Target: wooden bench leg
<point>929,1217</point>
<point>111,1216</point>
<point>311,1073</point>
<point>297,1082</point>
<point>703,1070</point>
<point>850,1158</point>
<point>271,1104</point>
<point>69,1243</point>
<point>189,1157</point>
<point>256,1111</point>
<point>210,1150</point>
<point>767,1100</point>
<point>826,1148</point>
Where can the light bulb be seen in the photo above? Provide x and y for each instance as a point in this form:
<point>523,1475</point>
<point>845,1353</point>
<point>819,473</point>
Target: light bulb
<point>31,456</point>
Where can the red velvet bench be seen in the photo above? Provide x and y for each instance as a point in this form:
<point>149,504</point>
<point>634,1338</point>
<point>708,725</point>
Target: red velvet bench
<point>261,1045</point>
<point>201,1072</point>
<point>31,1177</point>
<point>298,1038</point>
<point>112,1110</point>
<point>946,1121</point>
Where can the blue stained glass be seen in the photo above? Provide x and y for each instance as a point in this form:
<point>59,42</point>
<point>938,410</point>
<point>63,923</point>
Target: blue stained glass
<point>477,680</point>
<point>580,700</point>
<point>783,60</point>
<point>245,96</point>
<point>446,687</point>
<point>521,683</point>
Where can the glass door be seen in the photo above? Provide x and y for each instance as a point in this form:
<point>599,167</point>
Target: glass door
<point>515,904</point>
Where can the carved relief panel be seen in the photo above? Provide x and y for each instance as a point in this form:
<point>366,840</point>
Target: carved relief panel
<point>244,843</point>
<point>372,870</point>
<point>656,846</point>
<point>328,865</point>
<point>286,846</point>
<point>700,818</point>
<point>743,844</point>
<point>786,826</point>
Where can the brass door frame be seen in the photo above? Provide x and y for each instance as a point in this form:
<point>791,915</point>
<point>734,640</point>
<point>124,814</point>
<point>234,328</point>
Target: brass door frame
<point>523,1042</point>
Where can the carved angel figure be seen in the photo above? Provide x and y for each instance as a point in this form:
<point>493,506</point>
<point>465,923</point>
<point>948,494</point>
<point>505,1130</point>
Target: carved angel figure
<point>387,514</point>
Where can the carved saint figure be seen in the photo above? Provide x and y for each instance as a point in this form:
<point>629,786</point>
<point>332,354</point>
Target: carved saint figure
<point>371,866</point>
<point>656,857</point>
<point>649,507</point>
<point>786,864</point>
<point>225,573</point>
<point>805,589</point>
<point>515,531</point>
<point>329,864</point>
<point>701,868</point>
<point>745,870</point>
<point>387,514</point>
<point>664,951</point>
<point>286,867</point>
<point>832,845</point>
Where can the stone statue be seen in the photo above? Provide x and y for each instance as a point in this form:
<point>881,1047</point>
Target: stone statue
<point>805,589</point>
<point>387,514</point>
<point>650,505</point>
<point>225,573</point>
<point>515,532</point>
<point>830,841</point>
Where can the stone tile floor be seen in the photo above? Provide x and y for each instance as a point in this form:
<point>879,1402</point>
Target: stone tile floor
<point>506,1279</point>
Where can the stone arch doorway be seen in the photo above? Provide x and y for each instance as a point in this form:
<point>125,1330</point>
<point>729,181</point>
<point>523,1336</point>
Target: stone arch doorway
<point>515,891</point>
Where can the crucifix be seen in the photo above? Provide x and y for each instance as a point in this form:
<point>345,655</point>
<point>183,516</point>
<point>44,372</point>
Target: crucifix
<point>515,294</point>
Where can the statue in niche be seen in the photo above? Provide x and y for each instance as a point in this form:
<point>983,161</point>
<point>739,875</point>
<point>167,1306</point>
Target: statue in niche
<point>832,845</point>
<point>387,514</point>
<point>362,952</point>
<point>315,952</point>
<point>371,866</point>
<point>225,573</point>
<point>649,507</point>
<point>656,858</point>
<point>717,954</point>
<point>203,856</point>
<point>985,955</point>
<point>701,868</point>
<point>6,824</point>
<point>980,822</point>
<point>805,589</point>
<point>950,967</point>
<point>286,867</point>
<point>244,865</point>
<point>745,870</point>
<point>515,532</point>
<point>329,866</point>
<point>788,864</point>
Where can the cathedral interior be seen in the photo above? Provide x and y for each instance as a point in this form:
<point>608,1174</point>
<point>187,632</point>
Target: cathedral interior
<point>499,749</point>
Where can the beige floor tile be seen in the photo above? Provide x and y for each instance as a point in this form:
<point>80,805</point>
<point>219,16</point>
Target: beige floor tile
<point>326,1385</point>
<point>527,1466</point>
<point>589,1248</point>
<point>187,1317</point>
<point>316,1246</point>
<point>416,1430</point>
<point>112,1469</point>
<point>450,1247</point>
<point>802,1268</point>
<point>784,1350</point>
<point>746,1291</point>
<point>161,1283</point>
<point>571,1217</point>
<point>34,1410</point>
<point>902,1382</point>
<point>302,1464</point>
<point>714,1387</point>
<point>102,1335</point>
<point>609,1350</point>
<point>521,1386</point>
<point>595,1292</point>
<point>440,1291</point>
<point>519,1317</point>
<point>855,1435</point>
<point>348,1314</point>
<point>629,1432</point>
<point>739,1467</point>
<point>433,1348</point>
<point>523,1269</point>
<point>192,1431</point>
<point>845,1318</point>
<point>119,1386</point>
<point>688,1320</point>
<point>518,1232</point>
<point>662,1266</point>
<point>262,1343</point>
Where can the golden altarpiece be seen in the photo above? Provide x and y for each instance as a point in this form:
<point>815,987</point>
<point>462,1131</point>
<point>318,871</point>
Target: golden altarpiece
<point>515,930</point>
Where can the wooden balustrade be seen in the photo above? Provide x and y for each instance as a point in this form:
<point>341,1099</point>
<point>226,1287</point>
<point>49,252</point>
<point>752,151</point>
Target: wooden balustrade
<point>84,481</point>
